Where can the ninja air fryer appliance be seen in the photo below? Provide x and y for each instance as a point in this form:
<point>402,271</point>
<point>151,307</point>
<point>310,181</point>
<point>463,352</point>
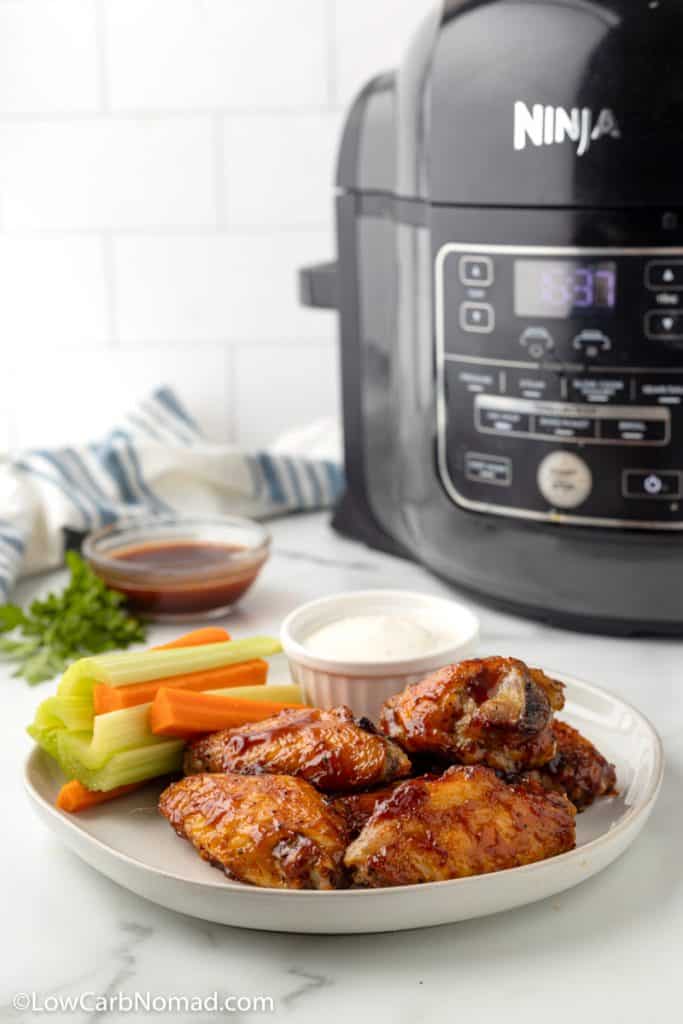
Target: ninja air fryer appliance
<point>510,288</point>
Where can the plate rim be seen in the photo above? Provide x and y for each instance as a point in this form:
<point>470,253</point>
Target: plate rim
<point>228,885</point>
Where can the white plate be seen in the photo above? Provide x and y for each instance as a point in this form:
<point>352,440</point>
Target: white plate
<point>130,843</point>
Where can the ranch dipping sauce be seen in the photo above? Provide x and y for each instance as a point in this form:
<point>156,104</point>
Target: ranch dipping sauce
<point>363,646</point>
<point>376,638</point>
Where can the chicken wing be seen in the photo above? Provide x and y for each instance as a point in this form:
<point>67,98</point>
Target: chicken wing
<point>578,769</point>
<point>327,748</point>
<point>467,822</point>
<point>358,808</point>
<point>269,830</point>
<point>493,711</point>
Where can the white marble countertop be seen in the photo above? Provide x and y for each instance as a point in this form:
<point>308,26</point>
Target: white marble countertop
<point>608,950</point>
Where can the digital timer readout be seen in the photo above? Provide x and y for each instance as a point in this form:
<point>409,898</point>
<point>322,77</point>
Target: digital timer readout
<point>560,289</point>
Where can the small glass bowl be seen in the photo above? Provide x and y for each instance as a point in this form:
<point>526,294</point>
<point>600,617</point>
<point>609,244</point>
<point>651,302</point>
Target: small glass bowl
<point>174,569</point>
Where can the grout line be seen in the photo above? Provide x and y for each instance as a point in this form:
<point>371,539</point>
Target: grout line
<point>330,16</point>
<point>219,169</point>
<point>228,343</point>
<point>161,114</point>
<point>83,347</point>
<point>103,89</point>
<point>171,231</point>
<point>110,285</point>
<point>231,394</point>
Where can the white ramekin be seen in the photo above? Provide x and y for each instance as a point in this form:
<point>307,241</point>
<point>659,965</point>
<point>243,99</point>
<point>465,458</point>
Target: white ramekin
<point>365,685</point>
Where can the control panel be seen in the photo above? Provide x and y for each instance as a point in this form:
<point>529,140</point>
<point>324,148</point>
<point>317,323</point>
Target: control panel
<point>560,382</point>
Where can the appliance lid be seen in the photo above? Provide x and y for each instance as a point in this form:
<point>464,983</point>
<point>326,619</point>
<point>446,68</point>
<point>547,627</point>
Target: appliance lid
<point>528,103</point>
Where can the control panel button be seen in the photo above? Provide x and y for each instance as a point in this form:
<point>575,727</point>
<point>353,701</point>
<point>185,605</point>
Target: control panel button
<point>564,480</point>
<point>488,469</point>
<point>537,341</point>
<point>667,391</point>
<point>591,343</point>
<point>651,483</point>
<point>664,275</point>
<point>478,381</point>
<point>598,390</point>
<point>532,384</point>
<point>635,431</point>
<point>565,426</point>
<point>476,271</point>
<point>477,317</point>
<point>664,325</point>
<point>503,421</point>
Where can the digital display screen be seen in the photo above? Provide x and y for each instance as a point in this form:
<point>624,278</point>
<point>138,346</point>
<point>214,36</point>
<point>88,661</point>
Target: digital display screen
<point>559,289</point>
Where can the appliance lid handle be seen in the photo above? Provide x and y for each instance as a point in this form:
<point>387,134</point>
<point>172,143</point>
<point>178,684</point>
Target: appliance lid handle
<point>318,286</point>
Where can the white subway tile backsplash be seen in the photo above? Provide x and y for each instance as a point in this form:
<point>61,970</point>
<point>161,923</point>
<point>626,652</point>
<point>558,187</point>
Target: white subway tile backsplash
<point>229,286</point>
<point>166,168</point>
<point>48,56</point>
<point>52,295</point>
<point>279,169</point>
<point>81,395</point>
<point>300,380</point>
<point>109,173</point>
<point>215,53</point>
<point>370,38</point>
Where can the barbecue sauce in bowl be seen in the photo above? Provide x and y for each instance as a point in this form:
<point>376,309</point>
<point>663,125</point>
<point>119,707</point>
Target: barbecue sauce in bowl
<point>184,554</point>
<point>178,577</point>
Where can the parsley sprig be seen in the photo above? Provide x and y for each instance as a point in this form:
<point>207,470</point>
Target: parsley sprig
<point>86,618</point>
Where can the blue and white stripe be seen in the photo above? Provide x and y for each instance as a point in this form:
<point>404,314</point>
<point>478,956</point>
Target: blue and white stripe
<point>83,488</point>
<point>12,549</point>
<point>293,483</point>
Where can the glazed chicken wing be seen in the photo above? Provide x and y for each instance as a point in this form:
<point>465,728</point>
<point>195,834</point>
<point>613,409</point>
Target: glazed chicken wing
<point>358,808</point>
<point>578,769</point>
<point>492,711</point>
<point>269,830</point>
<point>327,748</point>
<point>467,822</point>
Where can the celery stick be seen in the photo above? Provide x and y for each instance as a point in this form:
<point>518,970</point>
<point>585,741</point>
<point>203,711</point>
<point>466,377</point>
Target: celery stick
<point>73,713</point>
<point>145,666</point>
<point>54,715</point>
<point>283,693</point>
<point>44,729</point>
<point>136,765</point>
<point>79,688</point>
<point>43,719</point>
<point>121,730</point>
<point>113,733</point>
<point>75,749</point>
<point>45,738</point>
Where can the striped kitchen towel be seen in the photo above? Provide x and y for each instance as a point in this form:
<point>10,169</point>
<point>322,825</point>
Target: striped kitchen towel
<point>156,461</point>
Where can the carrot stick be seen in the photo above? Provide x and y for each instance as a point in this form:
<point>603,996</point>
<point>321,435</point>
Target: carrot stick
<point>109,698</point>
<point>113,698</point>
<point>206,635</point>
<point>74,797</point>
<point>185,715</point>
